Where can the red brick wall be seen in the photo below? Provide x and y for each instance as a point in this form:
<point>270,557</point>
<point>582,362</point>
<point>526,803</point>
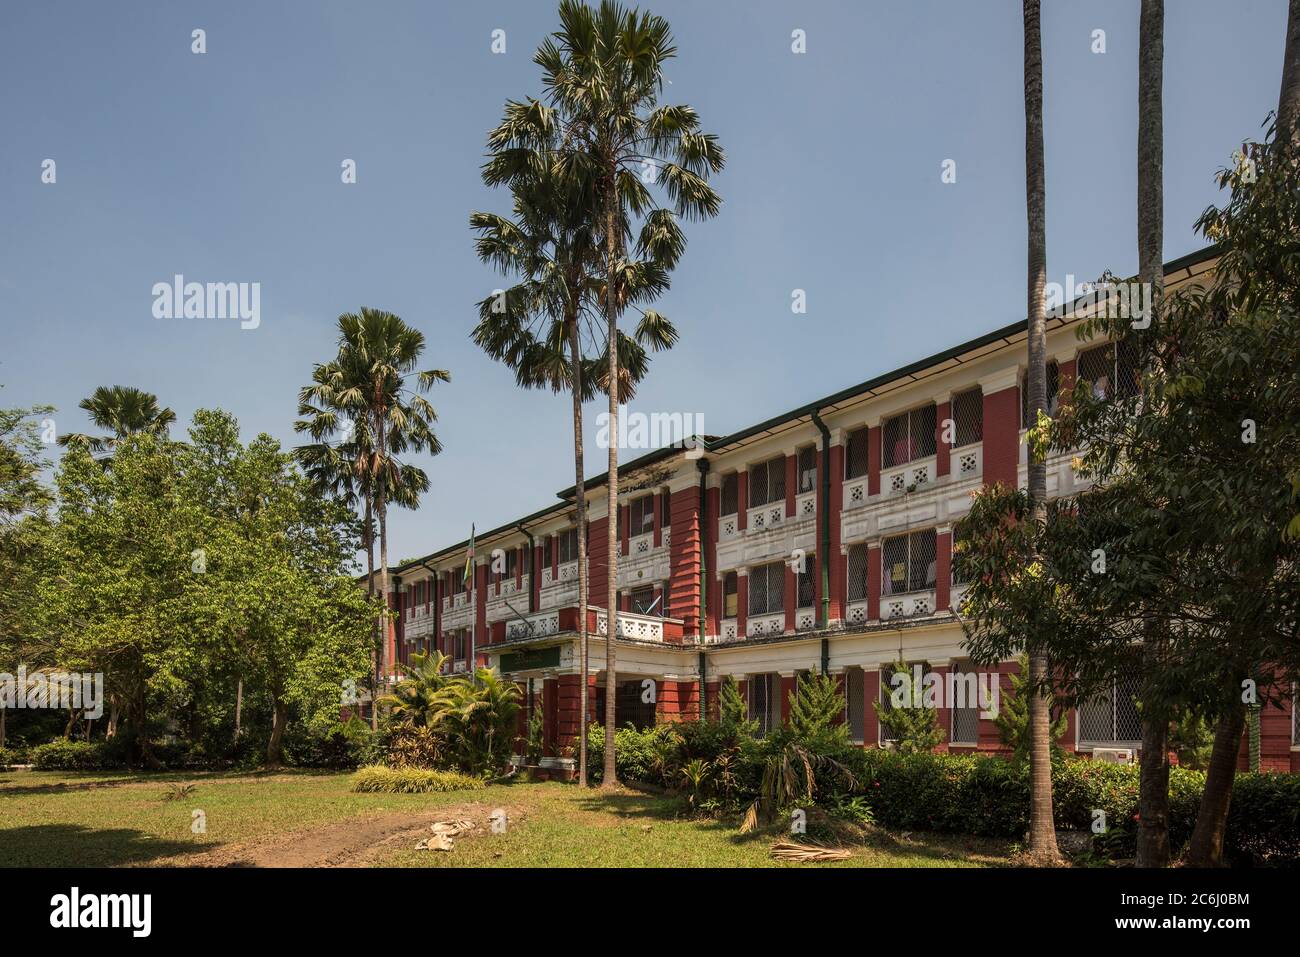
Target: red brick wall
<point>598,561</point>
<point>685,552</point>
<point>943,571</point>
<point>1002,437</point>
<point>873,461</point>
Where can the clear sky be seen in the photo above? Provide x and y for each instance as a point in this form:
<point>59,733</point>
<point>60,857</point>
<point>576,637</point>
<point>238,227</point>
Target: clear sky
<point>226,167</point>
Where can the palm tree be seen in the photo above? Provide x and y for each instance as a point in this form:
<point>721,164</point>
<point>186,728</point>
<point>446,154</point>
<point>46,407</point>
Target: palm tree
<point>373,382</point>
<point>415,696</point>
<point>124,410</point>
<point>1288,100</point>
<point>1042,830</point>
<point>538,327</point>
<point>1153,797</point>
<point>604,71</point>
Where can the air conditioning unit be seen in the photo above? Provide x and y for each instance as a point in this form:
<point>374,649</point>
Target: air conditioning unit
<point>1113,755</point>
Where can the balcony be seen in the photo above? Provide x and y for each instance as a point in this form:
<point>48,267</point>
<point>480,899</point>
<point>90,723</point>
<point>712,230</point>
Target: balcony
<point>759,626</point>
<point>764,518</point>
<point>908,478</point>
<point>639,627</point>
<point>910,605</point>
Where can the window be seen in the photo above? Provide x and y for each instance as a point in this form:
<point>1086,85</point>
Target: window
<point>730,493</point>
<point>855,454</point>
<point>665,508</point>
<point>630,706</point>
<point>1053,394</point>
<point>957,577</point>
<point>512,562</point>
<point>548,550</point>
<point>459,644</point>
<point>855,704</point>
<point>908,437</point>
<point>807,582</point>
<point>965,704</point>
<point>729,593</point>
<point>1110,370</point>
<point>767,482</point>
<point>887,690</point>
<point>767,589</point>
<point>968,417</point>
<point>568,540</point>
<point>457,581</point>
<point>807,469</point>
<point>642,516</point>
<point>908,562</point>
<point>764,692</point>
<point>1111,717</point>
<point>642,599</point>
<point>857,573</point>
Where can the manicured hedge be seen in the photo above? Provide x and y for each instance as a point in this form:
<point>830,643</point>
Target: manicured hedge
<point>76,756</point>
<point>376,777</point>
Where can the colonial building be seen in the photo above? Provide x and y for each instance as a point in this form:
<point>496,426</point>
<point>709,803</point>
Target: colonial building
<point>820,539</point>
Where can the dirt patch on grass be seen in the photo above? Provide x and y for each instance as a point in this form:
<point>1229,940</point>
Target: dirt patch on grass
<point>359,842</point>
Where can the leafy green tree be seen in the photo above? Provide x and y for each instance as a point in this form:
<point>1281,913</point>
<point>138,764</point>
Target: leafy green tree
<point>913,726</point>
<point>817,708</point>
<point>124,410</point>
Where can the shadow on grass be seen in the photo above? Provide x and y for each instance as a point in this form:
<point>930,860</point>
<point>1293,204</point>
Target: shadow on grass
<point>97,779</point>
<point>73,845</point>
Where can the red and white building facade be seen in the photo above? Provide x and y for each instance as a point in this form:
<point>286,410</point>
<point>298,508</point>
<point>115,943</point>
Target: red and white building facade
<point>722,549</point>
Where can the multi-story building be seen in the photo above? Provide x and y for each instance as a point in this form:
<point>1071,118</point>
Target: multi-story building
<point>820,539</point>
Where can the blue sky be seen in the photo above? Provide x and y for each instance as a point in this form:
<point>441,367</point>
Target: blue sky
<point>226,167</point>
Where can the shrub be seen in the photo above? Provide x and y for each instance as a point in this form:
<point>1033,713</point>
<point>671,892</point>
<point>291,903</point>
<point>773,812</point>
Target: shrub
<point>376,777</point>
<point>348,744</point>
<point>65,755</point>
<point>414,746</point>
<point>652,756</point>
<point>10,756</point>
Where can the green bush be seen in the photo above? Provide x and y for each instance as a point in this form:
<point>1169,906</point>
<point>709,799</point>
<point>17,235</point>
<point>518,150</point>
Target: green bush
<point>376,777</point>
<point>652,756</point>
<point>65,755</point>
<point>10,756</point>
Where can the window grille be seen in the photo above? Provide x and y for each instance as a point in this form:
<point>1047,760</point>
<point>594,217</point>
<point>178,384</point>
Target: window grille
<point>642,599</point>
<point>767,589</point>
<point>630,706</point>
<point>730,493</point>
<point>807,582</point>
<point>855,704</point>
<point>666,508</point>
<point>767,482</point>
<point>1111,717</point>
<point>968,417</point>
<point>1295,717</point>
<point>548,550</point>
<point>857,585</point>
<point>763,694</point>
<point>908,563</point>
<point>966,717</point>
<point>459,643</point>
<point>1110,371</point>
<point>568,546</point>
<point>512,562</point>
<point>642,519</point>
<point>909,436</point>
<point>807,469</point>
<point>729,593</point>
<point>1053,393</point>
<point>957,577</point>
<point>855,454</point>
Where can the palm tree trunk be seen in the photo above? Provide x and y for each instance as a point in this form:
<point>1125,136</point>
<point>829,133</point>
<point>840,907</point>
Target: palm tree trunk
<point>1288,100</point>
<point>611,594</point>
<point>370,591</point>
<point>1205,849</point>
<point>3,712</point>
<point>580,496</point>
<point>1153,787</point>
<point>1042,829</point>
<point>381,509</point>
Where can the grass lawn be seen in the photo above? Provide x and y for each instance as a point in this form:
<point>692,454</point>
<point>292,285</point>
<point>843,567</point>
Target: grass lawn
<point>314,819</point>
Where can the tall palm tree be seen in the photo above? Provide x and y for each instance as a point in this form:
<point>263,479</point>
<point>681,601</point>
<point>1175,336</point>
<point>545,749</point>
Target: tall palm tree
<point>1288,100</point>
<point>1153,795</point>
<point>540,328</point>
<point>124,410</point>
<point>1042,830</point>
<point>373,381</point>
<point>604,71</point>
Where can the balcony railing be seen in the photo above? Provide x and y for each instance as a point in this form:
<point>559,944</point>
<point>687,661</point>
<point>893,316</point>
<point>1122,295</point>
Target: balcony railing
<point>907,478</point>
<point>967,462</point>
<point>910,605</point>
<point>533,626</point>
<point>763,518</point>
<point>728,526</point>
<point>759,625</point>
<point>633,626</point>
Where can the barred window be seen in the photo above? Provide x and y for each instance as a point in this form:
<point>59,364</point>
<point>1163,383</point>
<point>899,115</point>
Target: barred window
<point>767,482</point>
<point>957,577</point>
<point>855,703</point>
<point>764,703</point>
<point>460,643</point>
<point>1112,716</point>
<point>730,493</point>
<point>512,562</point>
<point>968,417</point>
<point>568,545</point>
<point>666,508</point>
<point>729,602</point>
<point>807,469</point>
<point>857,585</point>
<point>909,436</point>
<point>965,704</point>
<point>1110,370</point>
<point>887,689</point>
<point>855,454</point>
<point>767,589</point>
<point>642,598</point>
<point>807,582</point>
<point>1053,392</point>
<point>909,563</point>
<point>642,520</point>
<point>548,550</point>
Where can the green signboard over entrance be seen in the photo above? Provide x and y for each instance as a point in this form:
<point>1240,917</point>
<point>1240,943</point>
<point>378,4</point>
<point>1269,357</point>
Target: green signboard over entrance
<point>528,660</point>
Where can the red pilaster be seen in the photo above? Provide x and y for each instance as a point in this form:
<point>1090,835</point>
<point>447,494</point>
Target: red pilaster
<point>943,571</point>
<point>944,711</point>
<point>787,688</point>
<point>1002,437</point>
<point>550,716</point>
<point>791,596</point>
<point>685,553</point>
<point>791,483</point>
<point>742,499</point>
<point>659,531</point>
<point>839,563</point>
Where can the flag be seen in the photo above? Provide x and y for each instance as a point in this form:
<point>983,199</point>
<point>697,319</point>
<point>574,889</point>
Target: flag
<point>469,558</point>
